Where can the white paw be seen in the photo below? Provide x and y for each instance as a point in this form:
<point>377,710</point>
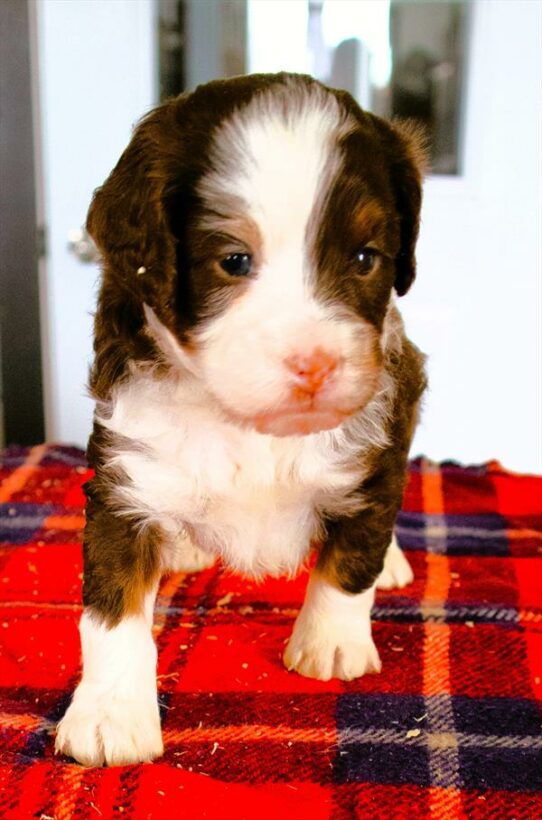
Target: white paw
<point>182,555</point>
<point>332,634</point>
<point>322,654</point>
<point>397,572</point>
<point>98,729</point>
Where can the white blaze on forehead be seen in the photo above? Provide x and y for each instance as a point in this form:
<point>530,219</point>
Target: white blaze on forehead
<point>273,162</point>
<point>286,161</point>
<point>279,155</point>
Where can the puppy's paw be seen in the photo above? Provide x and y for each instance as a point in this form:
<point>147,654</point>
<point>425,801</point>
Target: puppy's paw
<point>98,729</point>
<point>325,650</point>
<point>397,572</point>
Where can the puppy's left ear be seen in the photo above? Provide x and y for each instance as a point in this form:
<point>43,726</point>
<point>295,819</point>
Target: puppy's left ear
<point>408,162</point>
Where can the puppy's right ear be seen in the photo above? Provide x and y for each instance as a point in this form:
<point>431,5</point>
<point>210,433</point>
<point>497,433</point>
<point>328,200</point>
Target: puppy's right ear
<point>127,218</point>
<point>129,223</point>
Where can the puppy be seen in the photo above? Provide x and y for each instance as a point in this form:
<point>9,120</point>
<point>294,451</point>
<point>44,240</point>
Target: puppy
<point>255,391</point>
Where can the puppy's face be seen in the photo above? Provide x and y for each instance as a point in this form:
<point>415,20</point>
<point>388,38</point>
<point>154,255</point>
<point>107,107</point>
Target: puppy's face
<point>291,226</point>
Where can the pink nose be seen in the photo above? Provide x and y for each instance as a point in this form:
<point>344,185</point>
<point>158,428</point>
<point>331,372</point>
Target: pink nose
<point>311,370</point>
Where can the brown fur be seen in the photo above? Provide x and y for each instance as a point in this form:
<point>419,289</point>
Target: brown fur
<point>368,224</point>
<point>121,558</point>
<point>208,243</point>
<point>149,215</point>
<point>354,550</point>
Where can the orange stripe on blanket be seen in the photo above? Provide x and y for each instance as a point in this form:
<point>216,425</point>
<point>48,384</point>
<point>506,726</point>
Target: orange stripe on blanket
<point>446,804</point>
<point>436,673</point>
<point>436,679</point>
<point>433,499</point>
<point>443,803</point>
<point>436,652</point>
<point>64,522</point>
<point>522,533</point>
<point>26,723</point>
<point>437,584</point>
<point>255,732</point>
<point>67,786</point>
<point>19,477</point>
<point>170,584</point>
<point>529,616</point>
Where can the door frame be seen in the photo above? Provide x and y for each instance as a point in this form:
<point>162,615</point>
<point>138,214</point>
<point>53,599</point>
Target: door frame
<point>20,333</point>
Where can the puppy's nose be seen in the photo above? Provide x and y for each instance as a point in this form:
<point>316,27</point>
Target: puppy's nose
<point>311,370</point>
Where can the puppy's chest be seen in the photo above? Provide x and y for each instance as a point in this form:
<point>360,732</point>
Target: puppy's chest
<point>221,465</point>
<point>255,499</point>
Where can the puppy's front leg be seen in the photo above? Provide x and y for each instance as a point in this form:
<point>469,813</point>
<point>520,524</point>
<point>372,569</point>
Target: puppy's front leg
<point>332,634</point>
<point>113,717</point>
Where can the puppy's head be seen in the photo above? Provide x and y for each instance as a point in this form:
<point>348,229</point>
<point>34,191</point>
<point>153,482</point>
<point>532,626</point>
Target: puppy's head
<point>256,230</point>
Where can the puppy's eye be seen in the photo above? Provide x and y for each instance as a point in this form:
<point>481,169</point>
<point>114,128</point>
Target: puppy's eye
<point>366,260</point>
<point>237,264</point>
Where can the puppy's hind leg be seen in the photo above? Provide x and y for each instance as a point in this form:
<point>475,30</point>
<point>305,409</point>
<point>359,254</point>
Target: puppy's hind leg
<point>180,554</point>
<point>113,717</point>
<point>397,572</point>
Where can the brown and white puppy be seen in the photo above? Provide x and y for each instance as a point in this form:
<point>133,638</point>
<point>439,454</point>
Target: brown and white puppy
<point>255,391</point>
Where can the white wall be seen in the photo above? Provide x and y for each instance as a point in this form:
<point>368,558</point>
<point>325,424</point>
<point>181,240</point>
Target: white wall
<point>476,307</point>
<point>96,77</point>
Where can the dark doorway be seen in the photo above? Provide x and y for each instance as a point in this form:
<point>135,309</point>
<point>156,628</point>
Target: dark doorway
<point>20,345</point>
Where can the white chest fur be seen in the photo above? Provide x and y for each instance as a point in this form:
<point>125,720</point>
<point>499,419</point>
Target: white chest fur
<point>254,499</point>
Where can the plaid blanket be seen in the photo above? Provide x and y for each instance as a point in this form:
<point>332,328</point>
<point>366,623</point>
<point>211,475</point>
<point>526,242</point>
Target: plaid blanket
<point>450,728</point>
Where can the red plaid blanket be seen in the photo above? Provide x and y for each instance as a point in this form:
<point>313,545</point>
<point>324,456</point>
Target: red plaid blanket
<point>450,728</point>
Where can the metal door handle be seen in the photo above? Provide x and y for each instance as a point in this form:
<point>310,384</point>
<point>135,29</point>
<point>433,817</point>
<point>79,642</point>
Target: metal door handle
<point>81,244</point>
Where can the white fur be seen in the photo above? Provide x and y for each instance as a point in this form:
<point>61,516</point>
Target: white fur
<point>182,555</point>
<point>252,498</point>
<point>113,717</point>
<point>397,572</point>
<point>332,634</point>
<point>279,160</point>
<point>188,455</point>
<point>279,166</point>
<point>192,455</point>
